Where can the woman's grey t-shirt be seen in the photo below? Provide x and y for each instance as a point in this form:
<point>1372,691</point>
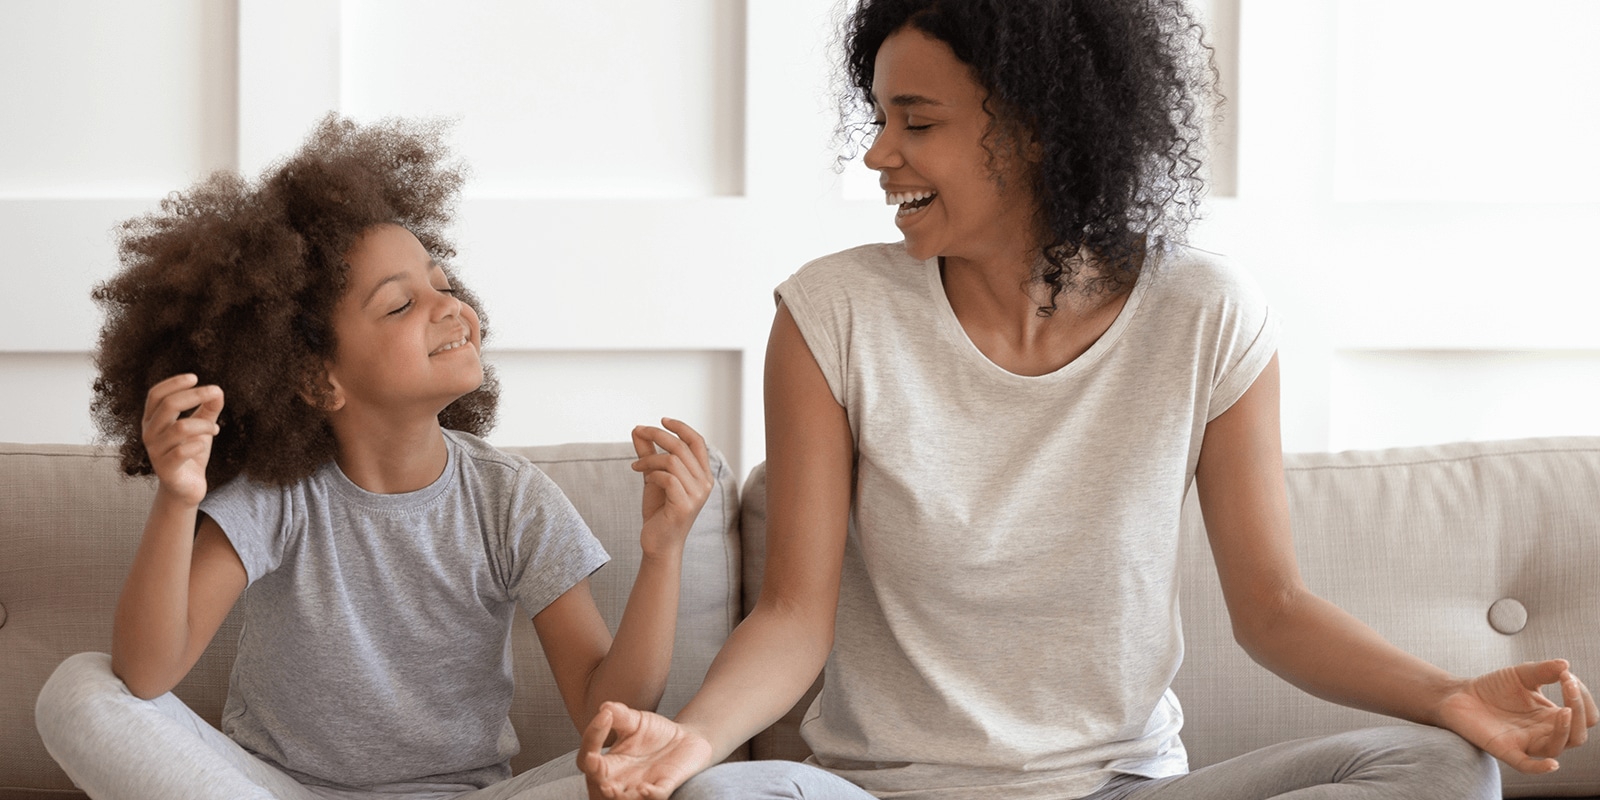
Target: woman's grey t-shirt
<point>376,646</point>
<point>1008,617</point>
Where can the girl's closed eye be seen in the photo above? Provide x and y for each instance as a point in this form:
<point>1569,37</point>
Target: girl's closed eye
<point>402,308</point>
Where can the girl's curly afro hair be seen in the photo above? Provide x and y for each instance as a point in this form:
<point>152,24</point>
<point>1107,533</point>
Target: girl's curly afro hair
<point>236,282</point>
<point>1117,94</point>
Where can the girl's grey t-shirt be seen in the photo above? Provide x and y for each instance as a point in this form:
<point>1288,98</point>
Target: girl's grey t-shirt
<point>376,646</point>
<point>1008,614</point>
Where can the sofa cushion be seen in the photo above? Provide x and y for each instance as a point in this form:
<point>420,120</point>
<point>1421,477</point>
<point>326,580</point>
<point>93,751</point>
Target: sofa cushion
<point>71,523</point>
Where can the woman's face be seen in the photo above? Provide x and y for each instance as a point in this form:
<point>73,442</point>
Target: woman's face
<point>405,343</point>
<point>954,198</point>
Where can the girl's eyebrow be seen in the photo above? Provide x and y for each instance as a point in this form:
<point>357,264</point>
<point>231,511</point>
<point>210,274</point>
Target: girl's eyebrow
<point>432,265</point>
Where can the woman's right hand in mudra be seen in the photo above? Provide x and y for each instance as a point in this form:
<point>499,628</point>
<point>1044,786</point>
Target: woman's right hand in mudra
<point>650,755</point>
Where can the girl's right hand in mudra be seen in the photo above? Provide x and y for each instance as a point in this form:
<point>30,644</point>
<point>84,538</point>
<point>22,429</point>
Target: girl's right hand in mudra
<point>650,757</point>
<point>179,446</point>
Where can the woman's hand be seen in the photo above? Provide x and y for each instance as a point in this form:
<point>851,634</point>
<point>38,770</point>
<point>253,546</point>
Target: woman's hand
<point>1504,714</point>
<point>677,482</point>
<point>651,757</point>
<point>180,446</point>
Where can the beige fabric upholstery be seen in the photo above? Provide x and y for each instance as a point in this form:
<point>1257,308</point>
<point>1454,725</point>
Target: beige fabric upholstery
<point>69,524</point>
<point>1418,542</point>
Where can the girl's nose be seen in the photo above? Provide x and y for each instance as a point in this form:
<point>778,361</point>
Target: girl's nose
<point>448,306</point>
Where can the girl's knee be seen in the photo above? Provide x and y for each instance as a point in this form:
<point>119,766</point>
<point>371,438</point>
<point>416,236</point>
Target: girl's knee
<point>66,702</point>
<point>746,780</point>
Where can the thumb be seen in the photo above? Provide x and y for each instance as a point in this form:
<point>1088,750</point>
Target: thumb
<point>1534,674</point>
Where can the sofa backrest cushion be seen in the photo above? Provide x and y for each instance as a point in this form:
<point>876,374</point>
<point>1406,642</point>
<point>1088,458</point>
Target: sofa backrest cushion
<point>1433,546</point>
<point>71,521</point>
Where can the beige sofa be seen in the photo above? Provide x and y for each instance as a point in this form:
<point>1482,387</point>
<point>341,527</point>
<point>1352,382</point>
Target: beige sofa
<point>1473,555</point>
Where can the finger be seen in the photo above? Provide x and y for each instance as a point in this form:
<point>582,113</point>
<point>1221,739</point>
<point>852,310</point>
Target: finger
<point>1556,740</point>
<point>165,387</point>
<point>173,405</point>
<point>1591,715</point>
<point>190,427</point>
<point>594,739</point>
<point>641,446</point>
<point>210,407</point>
<point>1572,696</point>
<point>655,462</point>
<point>672,444</point>
<point>1534,674</point>
<point>672,487</point>
<point>697,443</point>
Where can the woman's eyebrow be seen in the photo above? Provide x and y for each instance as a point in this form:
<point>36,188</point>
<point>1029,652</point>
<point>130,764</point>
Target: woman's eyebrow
<point>906,100</point>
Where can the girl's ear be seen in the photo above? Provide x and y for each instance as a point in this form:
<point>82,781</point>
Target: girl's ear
<point>321,391</point>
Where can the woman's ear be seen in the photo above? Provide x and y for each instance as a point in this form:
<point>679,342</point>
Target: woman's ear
<point>321,391</point>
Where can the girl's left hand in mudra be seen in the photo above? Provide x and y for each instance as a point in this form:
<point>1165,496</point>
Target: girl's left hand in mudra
<point>677,481</point>
<point>1504,713</point>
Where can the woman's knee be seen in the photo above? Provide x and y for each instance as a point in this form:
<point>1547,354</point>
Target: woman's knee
<point>1439,761</point>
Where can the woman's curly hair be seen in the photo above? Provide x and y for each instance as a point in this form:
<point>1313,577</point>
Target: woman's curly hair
<point>1118,94</point>
<point>236,282</point>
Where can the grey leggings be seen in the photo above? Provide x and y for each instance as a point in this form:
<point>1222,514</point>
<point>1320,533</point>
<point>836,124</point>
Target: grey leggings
<point>114,745</point>
<point>1401,762</point>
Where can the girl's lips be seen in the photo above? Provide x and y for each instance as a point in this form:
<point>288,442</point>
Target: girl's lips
<point>448,346</point>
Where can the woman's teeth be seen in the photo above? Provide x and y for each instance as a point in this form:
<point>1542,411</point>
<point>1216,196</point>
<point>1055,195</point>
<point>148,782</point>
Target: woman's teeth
<point>909,201</point>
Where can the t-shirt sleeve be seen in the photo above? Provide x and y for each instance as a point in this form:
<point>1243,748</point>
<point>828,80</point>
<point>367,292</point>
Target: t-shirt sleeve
<point>548,546</point>
<point>256,518</point>
<point>816,299</point>
<point>1247,338</point>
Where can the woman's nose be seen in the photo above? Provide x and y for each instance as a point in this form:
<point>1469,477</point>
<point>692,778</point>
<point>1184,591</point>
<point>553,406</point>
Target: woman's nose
<point>882,154</point>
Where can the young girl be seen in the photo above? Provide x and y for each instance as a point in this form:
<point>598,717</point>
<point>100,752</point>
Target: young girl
<point>979,441</point>
<point>298,365</point>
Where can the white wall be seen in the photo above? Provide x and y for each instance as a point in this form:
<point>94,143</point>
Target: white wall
<point>645,172</point>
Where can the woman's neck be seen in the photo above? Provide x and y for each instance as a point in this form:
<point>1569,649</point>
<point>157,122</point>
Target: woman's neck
<point>998,306</point>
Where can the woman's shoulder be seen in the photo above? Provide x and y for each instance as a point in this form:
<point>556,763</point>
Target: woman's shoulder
<point>1184,273</point>
<point>865,263</point>
<point>879,271</point>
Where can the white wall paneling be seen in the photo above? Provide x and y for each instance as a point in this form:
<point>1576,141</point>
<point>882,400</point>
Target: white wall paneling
<point>644,173</point>
<point>1399,397</point>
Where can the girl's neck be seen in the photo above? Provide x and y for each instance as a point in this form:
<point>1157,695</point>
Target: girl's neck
<point>390,458</point>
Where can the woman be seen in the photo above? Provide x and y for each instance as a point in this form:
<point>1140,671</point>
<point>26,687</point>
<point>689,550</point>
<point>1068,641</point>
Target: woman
<point>979,442</point>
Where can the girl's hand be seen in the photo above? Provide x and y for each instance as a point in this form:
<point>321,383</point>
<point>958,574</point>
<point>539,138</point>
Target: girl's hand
<point>1504,714</point>
<point>677,482</point>
<point>651,757</point>
<point>180,446</point>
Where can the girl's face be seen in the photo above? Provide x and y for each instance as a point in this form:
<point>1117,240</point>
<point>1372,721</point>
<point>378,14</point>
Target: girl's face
<point>405,343</point>
<point>954,198</point>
